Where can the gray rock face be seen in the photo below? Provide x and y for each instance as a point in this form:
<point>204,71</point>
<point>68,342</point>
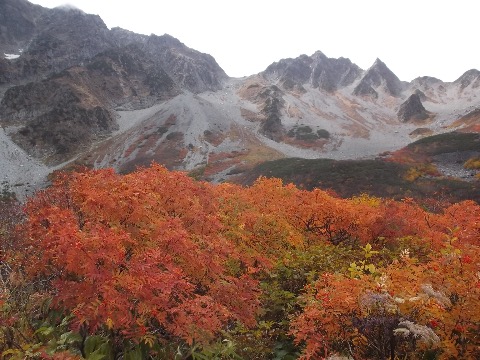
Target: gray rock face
<point>421,95</point>
<point>122,37</point>
<point>76,72</point>
<point>5,75</point>
<point>272,126</point>
<point>412,109</point>
<point>63,37</point>
<point>17,24</point>
<point>451,164</point>
<point>471,77</point>
<point>331,74</point>
<point>53,120</point>
<point>364,88</point>
<point>291,71</point>
<point>378,75</point>
<point>59,115</point>
<point>128,77</point>
<point>317,70</point>
<point>190,69</point>
<point>67,37</point>
<point>426,81</point>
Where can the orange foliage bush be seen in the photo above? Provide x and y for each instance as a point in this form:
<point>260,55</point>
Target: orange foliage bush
<point>141,253</point>
<point>412,308</point>
<point>472,163</point>
<point>157,254</point>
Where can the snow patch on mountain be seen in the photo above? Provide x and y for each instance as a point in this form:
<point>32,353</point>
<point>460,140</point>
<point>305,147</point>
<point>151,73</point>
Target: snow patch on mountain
<point>11,56</point>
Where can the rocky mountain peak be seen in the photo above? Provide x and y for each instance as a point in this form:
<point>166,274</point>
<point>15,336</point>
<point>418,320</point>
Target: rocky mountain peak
<point>65,37</point>
<point>69,8</point>
<point>290,72</point>
<point>17,24</point>
<point>191,69</point>
<point>123,37</point>
<point>318,56</point>
<point>62,18</point>
<point>470,77</point>
<point>428,88</point>
<point>425,81</point>
<point>378,75</point>
<point>165,41</point>
<point>412,109</point>
<point>318,70</point>
<point>379,63</point>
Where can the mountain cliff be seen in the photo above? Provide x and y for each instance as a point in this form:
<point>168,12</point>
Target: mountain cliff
<point>317,70</point>
<point>18,24</point>
<point>378,79</point>
<point>74,91</point>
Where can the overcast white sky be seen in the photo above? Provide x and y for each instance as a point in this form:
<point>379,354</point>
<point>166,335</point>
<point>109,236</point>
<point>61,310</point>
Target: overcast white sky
<point>413,37</point>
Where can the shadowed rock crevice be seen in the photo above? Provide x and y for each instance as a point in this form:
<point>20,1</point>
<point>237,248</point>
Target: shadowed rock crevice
<point>272,126</point>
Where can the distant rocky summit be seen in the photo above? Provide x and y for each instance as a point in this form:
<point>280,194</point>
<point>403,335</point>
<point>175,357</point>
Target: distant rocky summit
<point>379,76</point>
<point>317,70</point>
<point>192,70</point>
<point>469,78</point>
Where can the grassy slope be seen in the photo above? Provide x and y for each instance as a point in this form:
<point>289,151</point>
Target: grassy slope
<point>445,143</point>
<point>377,177</point>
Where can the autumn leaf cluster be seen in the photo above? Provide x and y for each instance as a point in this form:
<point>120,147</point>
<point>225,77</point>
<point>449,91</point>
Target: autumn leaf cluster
<point>155,264</point>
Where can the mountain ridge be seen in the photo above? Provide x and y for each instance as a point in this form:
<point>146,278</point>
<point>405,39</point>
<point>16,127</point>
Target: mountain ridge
<point>90,106</point>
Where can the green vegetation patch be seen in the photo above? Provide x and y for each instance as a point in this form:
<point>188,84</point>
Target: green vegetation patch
<point>305,133</point>
<point>445,143</point>
<point>353,177</point>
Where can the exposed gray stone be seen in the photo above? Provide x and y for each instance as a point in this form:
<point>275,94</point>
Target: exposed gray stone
<point>317,70</point>
<point>378,75</point>
<point>412,109</point>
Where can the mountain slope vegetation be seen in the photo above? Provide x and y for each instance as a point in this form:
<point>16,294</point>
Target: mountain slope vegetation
<point>321,211</point>
<point>422,170</point>
<point>122,266</point>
